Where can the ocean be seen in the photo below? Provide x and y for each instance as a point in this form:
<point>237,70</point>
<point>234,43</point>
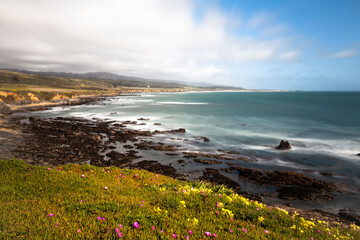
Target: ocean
<point>323,129</point>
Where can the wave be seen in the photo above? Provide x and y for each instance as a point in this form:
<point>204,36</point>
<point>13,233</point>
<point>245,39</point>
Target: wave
<point>184,103</point>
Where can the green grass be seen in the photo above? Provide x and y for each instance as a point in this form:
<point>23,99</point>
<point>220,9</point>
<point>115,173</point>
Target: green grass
<point>28,194</point>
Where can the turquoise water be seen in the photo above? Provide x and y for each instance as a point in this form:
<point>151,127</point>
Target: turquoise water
<point>322,127</point>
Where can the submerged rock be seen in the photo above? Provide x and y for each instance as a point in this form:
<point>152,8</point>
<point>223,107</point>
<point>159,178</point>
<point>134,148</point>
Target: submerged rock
<point>284,145</point>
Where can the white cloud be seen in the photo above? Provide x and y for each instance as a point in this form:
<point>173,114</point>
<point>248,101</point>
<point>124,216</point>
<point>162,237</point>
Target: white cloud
<point>157,39</point>
<point>344,54</point>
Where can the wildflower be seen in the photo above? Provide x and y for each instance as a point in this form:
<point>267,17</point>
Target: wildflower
<point>187,237</point>
<point>82,176</point>
<point>79,230</point>
<point>156,176</point>
<point>29,174</point>
<point>136,225</point>
<point>162,231</point>
<point>219,204</point>
<point>49,169</point>
<point>51,215</point>
<point>174,235</point>
<point>81,201</point>
<point>261,219</point>
<point>231,230</point>
<point>57,224</point>
<point>208,234</point>
<point>103,219</point>
<point>152,228</point>
<point>117,230</point>
<point>183,204</point>
<point>245,231</point>
<point>106,188</point>
<point>266,231</point>
<point>119,234</point>
<point>190,232</point>
<point>99,218</point>
<point>135,176</point>
<point>253,225</point>
<point>215,235</point>
<point>217,212</point>
<point>120,226</point>
<point>318,231</point>
<point>141,205</point>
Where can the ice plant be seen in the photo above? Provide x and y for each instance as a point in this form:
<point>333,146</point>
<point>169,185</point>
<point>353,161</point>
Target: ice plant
<point>152,228</point>
<point>51,215</point>
<point>215,235</point>
<point>266,231</point>
<point>208,234</point>
<point>105,188</point>
<point>190,232</point>
<point>136,225</point>
<point>79,230</point>
<point>117,230</point>
<point>82,175</point>
<point>119,234</point>
<point>120,226</point>
<point>174,235</point>
<point>99,218</point>
<point>245,231</point>
<point>49,169</point>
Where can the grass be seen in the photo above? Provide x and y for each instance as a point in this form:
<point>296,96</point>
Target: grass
<point>58,203</point>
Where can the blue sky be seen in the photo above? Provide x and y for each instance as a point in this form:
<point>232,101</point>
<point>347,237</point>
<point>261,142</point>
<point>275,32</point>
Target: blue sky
<point>300,45</point>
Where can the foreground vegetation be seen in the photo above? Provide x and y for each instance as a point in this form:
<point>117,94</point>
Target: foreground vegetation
<point>86,202</point>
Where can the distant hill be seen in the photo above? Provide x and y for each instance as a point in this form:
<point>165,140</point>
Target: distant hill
<point>127,81</point>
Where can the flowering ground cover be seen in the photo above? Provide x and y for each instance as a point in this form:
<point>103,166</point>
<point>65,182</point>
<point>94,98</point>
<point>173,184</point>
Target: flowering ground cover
<point>86,202</point>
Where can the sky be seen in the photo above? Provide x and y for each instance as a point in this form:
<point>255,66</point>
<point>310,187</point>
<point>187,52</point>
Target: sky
<point>255,44</point>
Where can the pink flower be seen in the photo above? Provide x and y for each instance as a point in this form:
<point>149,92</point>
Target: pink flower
<point>220,195</point>
<point>135,175</point>
<point>217,212</point>
<point>49,169</point>
<point>51,215</point>
<point>141,205</point>
<point>81,201</point>
<point>208,234</point>
<point>187,237</point>
<point>231,219</point>
<point>99,218</point>
<point>120,226</point>
<point>258,209</point>
<point>117,230</point>
<point>79,230</point>
<point>190,232</point>
<point>107,171</point>
<point>29,174</point>
<point>318,231</point>
<point>266,231</point>
<point>103,219</point>
<point>106,188</point>
<point>162,231</point>
<point>82,175</point>
<point>136,225</point>
<point>156,176</point>
<point>215,235</point>
<point>174,235</point>
<point>253,225</point>
<point>119,234</point>
<point>57,224</point>
<point>245,231</point>
<point>230,230</point>
<point>152,228</point>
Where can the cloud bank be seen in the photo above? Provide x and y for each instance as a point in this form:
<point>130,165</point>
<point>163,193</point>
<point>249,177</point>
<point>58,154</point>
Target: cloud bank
<point>156,39</point>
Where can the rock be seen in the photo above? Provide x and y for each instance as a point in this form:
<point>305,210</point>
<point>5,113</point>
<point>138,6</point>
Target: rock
<point>4,109</point>
<point>358,154</point>
<point>213,175</point>
<point>154,166</point>
<point>143,119</point>
<point>158,124</point>
<point>351,215</point>
<point>284,145</point>
<point>206,161</point>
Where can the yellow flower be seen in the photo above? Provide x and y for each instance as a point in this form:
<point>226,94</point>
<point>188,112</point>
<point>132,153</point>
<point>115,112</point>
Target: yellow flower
<point>182,203</point>
<point>261,219</point>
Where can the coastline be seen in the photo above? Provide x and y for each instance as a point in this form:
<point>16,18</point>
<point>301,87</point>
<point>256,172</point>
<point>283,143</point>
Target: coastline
<point>42,128</point>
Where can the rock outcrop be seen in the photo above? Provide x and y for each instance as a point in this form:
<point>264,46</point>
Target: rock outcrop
<point>4,109</point>
<point>284,145</point>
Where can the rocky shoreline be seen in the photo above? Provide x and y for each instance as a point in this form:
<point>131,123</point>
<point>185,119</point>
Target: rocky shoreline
<point>53,142</point>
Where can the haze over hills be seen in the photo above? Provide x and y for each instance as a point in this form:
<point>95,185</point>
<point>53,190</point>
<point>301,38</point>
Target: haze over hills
<point>122,80</point>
